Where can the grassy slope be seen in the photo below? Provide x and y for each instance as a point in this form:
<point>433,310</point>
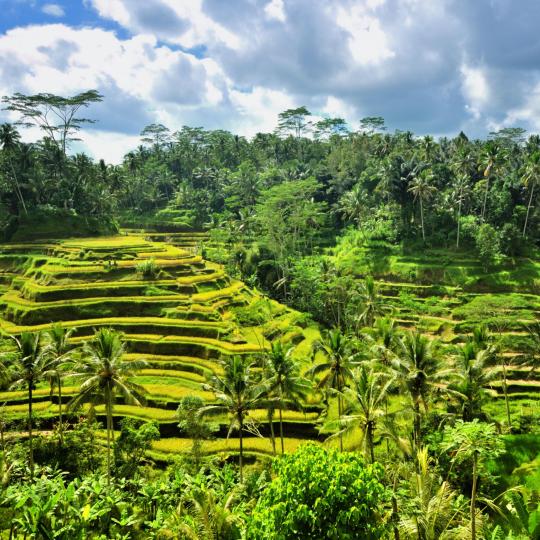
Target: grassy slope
<point>180,322</point>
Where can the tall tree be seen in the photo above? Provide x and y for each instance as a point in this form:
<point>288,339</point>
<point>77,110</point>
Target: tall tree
<point>9,140</point>
<point>284,380</point>
<point>475,442</point>
<point>461,191</point>
<point>104,373</point>
<point>336,368</point>
<point>476,373</point>
<point>295,121</point>
<point>422,188</point>
<point>31,366</point>
<point>531,180</point>
<point>237,392</point>
<point>419,371</point>
<point>58,350</point>
<point>56,116</point>
<point>366,405</point>
<point>370,302</point>
<point>490,158</point>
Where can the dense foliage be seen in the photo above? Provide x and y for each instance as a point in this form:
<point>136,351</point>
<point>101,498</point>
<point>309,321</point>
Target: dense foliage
<point>412,443</point>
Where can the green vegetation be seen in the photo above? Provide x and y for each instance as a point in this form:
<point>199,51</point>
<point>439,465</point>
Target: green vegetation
<point>373,295</point>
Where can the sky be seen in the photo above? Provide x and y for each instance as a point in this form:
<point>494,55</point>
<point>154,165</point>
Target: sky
<point>429,66</point>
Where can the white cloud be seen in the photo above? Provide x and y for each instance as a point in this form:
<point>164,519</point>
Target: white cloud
<point>54,10</point>
<point>475,89</point>
<point>107,145</point>
<point>199,28</point>
<point>368,42</point>
<point>338,108</point>
<point>275,10</point>
<point>258,109</point>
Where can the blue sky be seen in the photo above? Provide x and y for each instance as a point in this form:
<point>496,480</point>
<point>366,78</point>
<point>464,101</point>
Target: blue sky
<point>431,66</point>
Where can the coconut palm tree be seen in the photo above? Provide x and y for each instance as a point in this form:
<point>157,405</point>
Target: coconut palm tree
<point>104,373</point>
<point>461,192</point>
<point>237,391</point>
<point>475,373</point>
<point>420,374</point>
<point>9,141</point>
<point>371,303</point>
<point>422,189</point>
<point>383,340</point>
<point>490,157</point>
<point>58,350</point>
<point>474,442</point>
<point>203,515</point>
<point>336,368</point>
<point>430,509</point>
<point>31,366</point>
<point>352,204</point>
<point>284,381</point>
<point>531,180</point>
<point>366,398</point>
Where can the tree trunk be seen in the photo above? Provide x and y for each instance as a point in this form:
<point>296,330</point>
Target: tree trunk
<point>506,400</point>
<point>528,210</point>
<point>395,512</point>
<point>17,187</point>
<point>30,436</point>
<point>485,198</point>
<point>473,497</point>
<point>339,419</point>
<point>416,425</point>
<point>108,412</point>
<point>272,434</point>
<point>281,429</point>
<point>241,461</point>
<point>61,426</point>
<point>458,222</point>
<point>422,219</point>
<point>369,436</point>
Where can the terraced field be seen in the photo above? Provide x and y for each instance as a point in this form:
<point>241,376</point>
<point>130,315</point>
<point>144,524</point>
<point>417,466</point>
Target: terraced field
<point>446,295</point>
<point>180,320</point>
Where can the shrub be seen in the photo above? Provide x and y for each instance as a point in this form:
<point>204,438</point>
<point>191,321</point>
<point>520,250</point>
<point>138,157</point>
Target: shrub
<point>320,493</point>
<point>148,269</point>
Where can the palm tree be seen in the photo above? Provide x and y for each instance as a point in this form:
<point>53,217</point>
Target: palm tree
<point>422,189</point>
<point>474,442</point>
<point>419,371</point>
<point>431,509</point>
<point>337,367</point>
<point>283,378</point>
<point>372,304</point>
<point>490,157</point>
<point>366,398</point>
<point>31,365</point>
<point>461,190</point>
<point>103,373</point>
<point>475,374</point>
<point>352,204</point>
<point>237,392</point>
<point>59,352</point>
<point>383,340</point>
<point>531,180</point>
<point>203,515</point>
<point>9,140</point>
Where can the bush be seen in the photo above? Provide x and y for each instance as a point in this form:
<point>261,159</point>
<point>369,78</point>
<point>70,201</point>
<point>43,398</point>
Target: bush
<point>487,244</point>
<point>148,269</point>
<point>320,493</point>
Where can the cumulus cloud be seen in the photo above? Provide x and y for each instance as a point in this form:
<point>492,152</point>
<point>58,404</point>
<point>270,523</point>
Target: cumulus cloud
<point>432,67</point>
<point>54,10</point>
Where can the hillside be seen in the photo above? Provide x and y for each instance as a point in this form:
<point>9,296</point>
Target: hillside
<point>447,293</point>
<point>177,311</point>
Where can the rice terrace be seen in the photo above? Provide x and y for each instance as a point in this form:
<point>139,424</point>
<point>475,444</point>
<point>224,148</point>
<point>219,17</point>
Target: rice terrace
<point>269,270</point>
